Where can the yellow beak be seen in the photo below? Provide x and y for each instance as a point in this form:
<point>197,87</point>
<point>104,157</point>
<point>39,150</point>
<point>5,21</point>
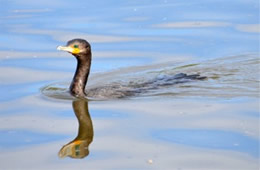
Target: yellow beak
<point>69,49</point>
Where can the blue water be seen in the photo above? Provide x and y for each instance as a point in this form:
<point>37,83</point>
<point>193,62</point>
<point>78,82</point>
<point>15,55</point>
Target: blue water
<point>177,127</point>
<point>213,139</point>
<point>26,138</point>
<point>112,18</point>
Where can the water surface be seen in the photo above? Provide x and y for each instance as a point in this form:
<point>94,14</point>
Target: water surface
<point>138,46</point>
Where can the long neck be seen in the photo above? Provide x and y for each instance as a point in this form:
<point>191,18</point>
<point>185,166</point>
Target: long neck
<point>78,84</point>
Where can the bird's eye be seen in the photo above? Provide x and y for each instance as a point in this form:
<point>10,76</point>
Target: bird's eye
<point>76,46</point>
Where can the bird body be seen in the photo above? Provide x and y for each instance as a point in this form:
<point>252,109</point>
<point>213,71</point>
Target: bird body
<point>82,51</point>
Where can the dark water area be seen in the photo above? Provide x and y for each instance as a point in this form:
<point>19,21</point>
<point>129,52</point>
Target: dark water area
<point>145,110</point>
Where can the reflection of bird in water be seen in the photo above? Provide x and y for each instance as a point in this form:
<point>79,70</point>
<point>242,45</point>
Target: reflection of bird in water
<point>82,51</point>
<point>78,148</point>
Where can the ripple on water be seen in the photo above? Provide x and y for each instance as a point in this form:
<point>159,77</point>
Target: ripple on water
<point>224,77</point>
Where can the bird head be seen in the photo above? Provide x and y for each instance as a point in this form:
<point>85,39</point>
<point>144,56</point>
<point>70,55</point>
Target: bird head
<point>77,47</point>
